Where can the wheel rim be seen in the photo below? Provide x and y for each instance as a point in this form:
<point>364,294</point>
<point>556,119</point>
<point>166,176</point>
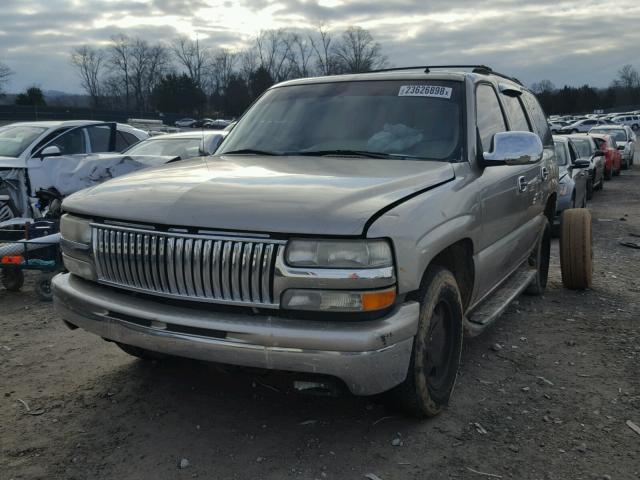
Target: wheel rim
<point>440,347</point>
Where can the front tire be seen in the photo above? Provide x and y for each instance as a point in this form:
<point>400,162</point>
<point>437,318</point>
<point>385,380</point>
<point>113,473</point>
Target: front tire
<point>437,347</point>
<point>539,260</point>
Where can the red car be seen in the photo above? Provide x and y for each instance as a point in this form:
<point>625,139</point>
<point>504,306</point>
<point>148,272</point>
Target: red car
<point>612,157</point>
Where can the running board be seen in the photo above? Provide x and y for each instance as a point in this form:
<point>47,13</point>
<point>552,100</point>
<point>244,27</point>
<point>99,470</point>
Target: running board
<point>487,313</point>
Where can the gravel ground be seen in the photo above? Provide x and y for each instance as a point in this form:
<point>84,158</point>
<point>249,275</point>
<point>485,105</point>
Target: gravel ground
<point>545,394</point>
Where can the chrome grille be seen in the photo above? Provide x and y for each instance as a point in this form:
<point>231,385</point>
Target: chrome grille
<point>207,268</point>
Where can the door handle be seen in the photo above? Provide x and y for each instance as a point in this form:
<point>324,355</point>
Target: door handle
<point>522,184</point>
<point>545,173</point>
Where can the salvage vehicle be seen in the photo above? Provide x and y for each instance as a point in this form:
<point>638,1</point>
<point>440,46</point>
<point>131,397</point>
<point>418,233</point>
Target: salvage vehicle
<point>581,126</point>
<point>178,145</point>
<point>612,157</point>
<point>573,177</point>
<point>625,139</point>
<point>32,153</point>
<point>587,149</point>
<point>350,227</point>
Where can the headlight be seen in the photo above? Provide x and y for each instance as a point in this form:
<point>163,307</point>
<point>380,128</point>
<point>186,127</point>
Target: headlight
<point>75,229</point>
<point>339,253</point>
<point>337,300</point>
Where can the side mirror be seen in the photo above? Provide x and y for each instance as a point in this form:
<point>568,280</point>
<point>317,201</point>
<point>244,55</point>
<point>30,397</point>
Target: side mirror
<point>581,164</point>
<point>50,151</point>
<point>598,153</point>
<point>620,147</point>
<point>514,148</point>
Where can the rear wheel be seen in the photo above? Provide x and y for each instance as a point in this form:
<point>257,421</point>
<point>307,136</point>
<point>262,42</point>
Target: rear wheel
<point>539,260</point>
<point>576,255</point>
<point>12,279</point>
<point>437,346</point>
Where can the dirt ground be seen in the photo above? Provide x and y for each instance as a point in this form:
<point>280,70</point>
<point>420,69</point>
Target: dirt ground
<point>551,403</point>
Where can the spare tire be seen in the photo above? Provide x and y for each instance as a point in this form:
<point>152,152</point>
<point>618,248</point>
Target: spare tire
<point>576,254</point>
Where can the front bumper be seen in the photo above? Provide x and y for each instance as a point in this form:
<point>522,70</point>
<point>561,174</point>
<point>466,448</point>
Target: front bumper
<point>369,356</point>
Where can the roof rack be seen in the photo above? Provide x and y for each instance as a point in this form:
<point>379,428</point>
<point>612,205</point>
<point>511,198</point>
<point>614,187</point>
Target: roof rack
<point>481,69</point>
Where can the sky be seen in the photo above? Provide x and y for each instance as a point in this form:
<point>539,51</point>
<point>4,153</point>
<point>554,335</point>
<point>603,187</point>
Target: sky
<point>565,41</point>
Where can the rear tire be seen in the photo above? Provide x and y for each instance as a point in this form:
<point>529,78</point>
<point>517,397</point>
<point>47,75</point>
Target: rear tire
<point>539,260</point>
<point>12,279</point>
<point>437,347</point>
<point>576,254</point>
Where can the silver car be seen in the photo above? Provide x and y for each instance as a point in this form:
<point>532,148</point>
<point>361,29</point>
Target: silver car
<point>587,149</point>
<point>574,174</point>
<point>351,228</point>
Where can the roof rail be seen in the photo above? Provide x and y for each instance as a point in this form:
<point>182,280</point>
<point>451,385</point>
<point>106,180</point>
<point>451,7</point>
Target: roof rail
<point>481,69</point>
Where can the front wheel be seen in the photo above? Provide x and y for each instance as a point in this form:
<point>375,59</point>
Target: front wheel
<point>437,347</point>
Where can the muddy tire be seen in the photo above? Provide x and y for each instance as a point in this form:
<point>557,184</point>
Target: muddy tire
<point>141,353</point>
<point>12,279</point>
<point>576,254</point>
<point>437,346</point>
<point>539,260</point>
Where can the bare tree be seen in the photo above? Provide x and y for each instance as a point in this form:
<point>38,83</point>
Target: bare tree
<point>543,86</point>
<point>300,55</point>
<point>5,73</point>
<point>194,58</point>
<point>248,63</point>
<point>222,69</point>
<point>628,77</point>
<point>273,49</point>
<point>120,60</point>
<point>358,52</point>
<point>323,48</point>
<point>88,62</point>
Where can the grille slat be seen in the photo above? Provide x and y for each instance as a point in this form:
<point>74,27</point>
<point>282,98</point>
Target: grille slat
<point>193,267</point>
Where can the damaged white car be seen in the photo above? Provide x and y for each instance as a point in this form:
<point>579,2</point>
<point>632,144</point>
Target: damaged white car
<point>38,159</point>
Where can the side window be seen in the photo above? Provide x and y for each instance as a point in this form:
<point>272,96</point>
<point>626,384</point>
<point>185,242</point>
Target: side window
<point>47,139</point>
<point>538,118</point>
<point>515,113</point>
<point>99,138</point>
<point>124,139</point>
<point>71,143</point>
<point>572,153</point>
<point>489,115</point>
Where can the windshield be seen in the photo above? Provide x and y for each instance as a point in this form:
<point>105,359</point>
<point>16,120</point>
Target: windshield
<point>583,146</point>
<point>561,154</point>
<point>618,135</point>
<point>15,140</point>
<point>406,118</point>
<point>170,147</point>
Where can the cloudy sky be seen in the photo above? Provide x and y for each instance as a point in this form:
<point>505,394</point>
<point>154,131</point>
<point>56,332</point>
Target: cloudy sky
<point>566,41</point>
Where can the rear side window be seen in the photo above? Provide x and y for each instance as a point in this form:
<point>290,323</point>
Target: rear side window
<point>99,138</point>
<point>538,118</point>
<point>124,139</point>
<point>489,115</point>
<point>515,113</point>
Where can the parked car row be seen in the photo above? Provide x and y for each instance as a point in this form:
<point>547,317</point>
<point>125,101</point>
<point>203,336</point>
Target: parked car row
<point>582,124</point>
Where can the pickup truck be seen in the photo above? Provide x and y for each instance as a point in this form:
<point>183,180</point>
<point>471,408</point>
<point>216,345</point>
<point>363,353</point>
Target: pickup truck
<point>353,227</point>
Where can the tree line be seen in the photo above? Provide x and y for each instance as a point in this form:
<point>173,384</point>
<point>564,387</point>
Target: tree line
<point>186,76</point>
<point>623,92</point>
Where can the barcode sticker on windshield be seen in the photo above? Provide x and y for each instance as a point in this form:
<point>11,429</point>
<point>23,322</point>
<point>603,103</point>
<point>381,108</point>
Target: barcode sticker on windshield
<point>424,91</point>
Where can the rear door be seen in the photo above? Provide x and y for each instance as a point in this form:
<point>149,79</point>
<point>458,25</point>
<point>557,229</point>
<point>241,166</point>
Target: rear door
<point>505,195</point>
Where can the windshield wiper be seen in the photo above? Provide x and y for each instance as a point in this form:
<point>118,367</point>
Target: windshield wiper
<point>250,151</point>
<point>361,153</point>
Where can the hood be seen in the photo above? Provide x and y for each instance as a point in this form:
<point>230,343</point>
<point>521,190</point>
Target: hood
<point>308,195</point>
<point>12,162</point>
